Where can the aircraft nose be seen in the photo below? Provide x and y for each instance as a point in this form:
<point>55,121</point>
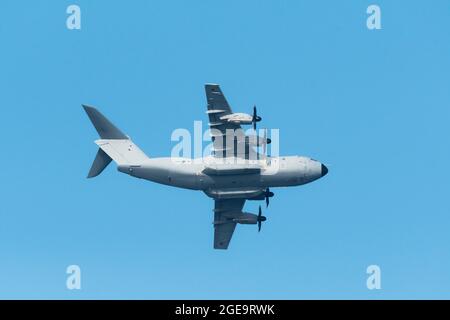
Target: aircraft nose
<point>324,170</point>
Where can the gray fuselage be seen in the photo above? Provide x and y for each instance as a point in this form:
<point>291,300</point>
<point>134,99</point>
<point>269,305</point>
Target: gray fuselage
<point>194,174</point>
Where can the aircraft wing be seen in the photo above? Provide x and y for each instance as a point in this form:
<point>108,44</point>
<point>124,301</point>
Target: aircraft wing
<point>225,211</point>
<point>217,108</point>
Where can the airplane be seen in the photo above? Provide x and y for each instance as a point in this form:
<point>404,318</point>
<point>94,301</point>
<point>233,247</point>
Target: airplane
<point>233,173</point>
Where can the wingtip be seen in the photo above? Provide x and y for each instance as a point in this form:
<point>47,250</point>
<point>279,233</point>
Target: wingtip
<point>87,108</point>
<point>90,175</point>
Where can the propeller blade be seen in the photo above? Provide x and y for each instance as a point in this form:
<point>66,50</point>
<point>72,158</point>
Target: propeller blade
<point>268,194</point>
<point>254,117</point>
<point>259,219</point>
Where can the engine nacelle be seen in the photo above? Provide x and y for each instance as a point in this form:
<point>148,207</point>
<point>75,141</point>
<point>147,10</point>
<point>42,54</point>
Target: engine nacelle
<point>254,140</point>
<point>238,118</point>
<point>246,218</point>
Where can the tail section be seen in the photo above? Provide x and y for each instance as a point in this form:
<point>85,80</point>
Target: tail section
<point>113,145</point>
<point>101,161</point>
<point>104,127</point>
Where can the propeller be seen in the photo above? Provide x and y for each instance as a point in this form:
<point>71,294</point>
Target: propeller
<point>255,118</point>
<point>265,142</point>
<point>260,219</point>
<point>268,194</point>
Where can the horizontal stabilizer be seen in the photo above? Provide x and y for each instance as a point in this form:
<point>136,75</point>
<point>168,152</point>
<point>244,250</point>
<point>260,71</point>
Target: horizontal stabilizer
<point>101,161</point>
<point>123,152</point>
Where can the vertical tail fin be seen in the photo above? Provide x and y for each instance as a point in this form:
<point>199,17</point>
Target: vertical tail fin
<point>104,127</point>
<point>113,145</point>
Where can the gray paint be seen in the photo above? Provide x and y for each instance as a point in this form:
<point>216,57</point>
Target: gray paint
<point>101,161</point>
<point>229,184</point>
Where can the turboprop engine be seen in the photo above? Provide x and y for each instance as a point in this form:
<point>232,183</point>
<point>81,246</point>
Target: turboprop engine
<point>246,218</point>
<point>257,141</point>
<point>250,218</point>
<point>242,118</point>
<point>238,118</point>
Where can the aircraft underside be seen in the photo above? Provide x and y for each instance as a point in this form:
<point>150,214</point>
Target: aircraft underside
<point>234,173</point>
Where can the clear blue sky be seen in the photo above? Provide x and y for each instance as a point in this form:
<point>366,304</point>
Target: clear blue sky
<point>373,105</point>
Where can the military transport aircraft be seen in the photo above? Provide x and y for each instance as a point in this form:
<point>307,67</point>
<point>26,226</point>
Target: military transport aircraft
<point>234,172</point>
